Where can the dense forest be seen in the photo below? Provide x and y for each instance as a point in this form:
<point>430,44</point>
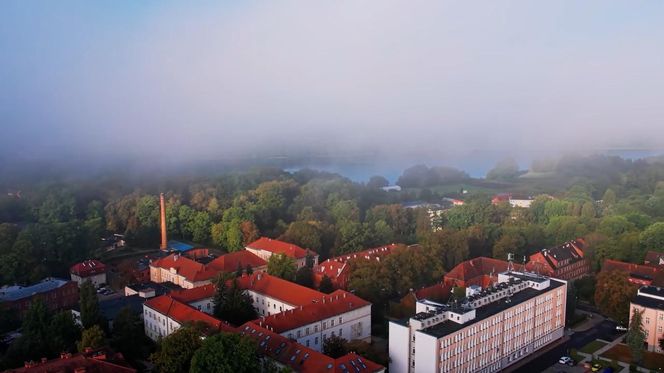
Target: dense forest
<point>616,204</point>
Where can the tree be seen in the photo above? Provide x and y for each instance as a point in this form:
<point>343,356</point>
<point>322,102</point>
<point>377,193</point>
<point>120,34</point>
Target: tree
<point>334,346</point>
<point>326,285</point>
<point>233,304</point>
<point>653,237</point>
<point>636,336</point>
<point>609,198</point>
<point>128,336</point>
<point>89,305</point>
<point>64,332</point>
<point>376,182</point>
<point>36,325</point>
<point>282,266</point>
<point>504,170</point>
<point>303,234</point>
<point>613,293</point>
<point>305,277</point>
<point>570,309</point>
<point>92,337</point>
<point>226,353</point>
<point>174,352</point>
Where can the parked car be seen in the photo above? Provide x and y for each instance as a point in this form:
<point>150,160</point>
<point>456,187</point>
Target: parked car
<point>596,367</point>
<point>566,360</point>
<point>621,328</point>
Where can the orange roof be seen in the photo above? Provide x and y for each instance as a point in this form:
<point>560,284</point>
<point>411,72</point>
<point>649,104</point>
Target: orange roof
<point>374,253</point>
<point>438,292</point>
<point>330,268</point>
<point>301,358</point>
<point>182,313</point>
<point>194,294</point>
<point>279,247</point>
<point>230,262</point>
<point>98,361</point>
<point>188,268</point>
<point>474,269</point>
<point>275,287</point>
<point>655,273</point>
<point>88,268</point>
<point>338,302</point>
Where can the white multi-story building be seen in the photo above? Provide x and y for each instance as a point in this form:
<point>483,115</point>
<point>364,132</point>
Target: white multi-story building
<point>486,331</point>
<point>339,314</point>
<point>649,301</point>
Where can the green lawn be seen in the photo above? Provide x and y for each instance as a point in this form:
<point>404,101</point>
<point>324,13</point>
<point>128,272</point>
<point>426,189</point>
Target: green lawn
<point>593,346</point>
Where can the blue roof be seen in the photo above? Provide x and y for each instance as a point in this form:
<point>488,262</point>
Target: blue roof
<point>11,293</point>
<point>179,246</point>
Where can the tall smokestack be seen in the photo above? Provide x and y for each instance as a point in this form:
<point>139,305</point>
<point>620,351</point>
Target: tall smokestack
<point>162,208</point>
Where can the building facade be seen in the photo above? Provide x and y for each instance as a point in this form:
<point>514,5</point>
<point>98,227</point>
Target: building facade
<point>89,270</point>
<point>57,294</point>
<point>566,262</point>
<point>487,331</point>
<point>650,301</point>
<point>265,247</point>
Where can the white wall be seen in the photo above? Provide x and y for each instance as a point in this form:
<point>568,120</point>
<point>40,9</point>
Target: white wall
<point>426,353</point>
<point>399,337</point>
<point>157,325</point>
<point>96,280</point>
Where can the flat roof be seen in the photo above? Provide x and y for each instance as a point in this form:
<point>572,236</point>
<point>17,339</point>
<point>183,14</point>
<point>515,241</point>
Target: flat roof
<point>648,302</point>
<point>12,293</point>
<point>448,327</point>
<point>179,246</point>
<point>652,290</point>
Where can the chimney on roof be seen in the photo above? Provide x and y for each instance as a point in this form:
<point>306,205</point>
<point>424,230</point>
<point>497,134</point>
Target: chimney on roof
<point>162,210</point>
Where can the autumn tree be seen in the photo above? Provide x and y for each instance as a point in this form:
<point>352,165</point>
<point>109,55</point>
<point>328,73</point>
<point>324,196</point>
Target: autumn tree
<point>613,293</point>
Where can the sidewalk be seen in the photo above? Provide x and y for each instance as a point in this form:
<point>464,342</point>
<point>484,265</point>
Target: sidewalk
<point>596,355</point>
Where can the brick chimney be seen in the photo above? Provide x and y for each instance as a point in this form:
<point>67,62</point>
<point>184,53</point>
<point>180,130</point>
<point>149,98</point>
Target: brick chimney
<point>162,210</point>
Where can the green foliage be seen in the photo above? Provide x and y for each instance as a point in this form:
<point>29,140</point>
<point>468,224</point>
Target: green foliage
<point>128,335</point>
<point>652,238</point>
<point>334,346</point>
<point>326,285</point>
<point>89,303</point>
<point>505,170</point>
<point>64,332</point>
<point>174,352</point>
<point>92,337</point>
<point>636,336</point>
<point>304,277</point>
<point>282,266</point>
<point>377,182</point>
<point>226,353</point>
<point>233,304</point>
<point>303,234</point>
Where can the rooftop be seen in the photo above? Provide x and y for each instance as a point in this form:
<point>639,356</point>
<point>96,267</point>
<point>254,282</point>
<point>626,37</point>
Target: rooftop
<point>275,287</point>
<point>88,268</point>
<point>179,246</point>
<point>280,247</point>
<point>231,261</point>
<point>183,313</point>
<point>650,272</point>
<point>447,327</point>
<point>15,292</point>
<point>97,361</point>
<point>325,307</point>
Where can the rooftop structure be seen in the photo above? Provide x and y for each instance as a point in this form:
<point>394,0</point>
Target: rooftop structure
<point>278,289</point>
<point>265,247</point>
<point>650,301</point>
<point>519,314</point>
<point>639,274</point>
<point>239,259</point>
<point>16,292</point>
<point>654,258</point>
<point>89,270</point>
<point>481,271</point>
<point>92,361</point>
<point>287,352</point>
<point>566,261</point>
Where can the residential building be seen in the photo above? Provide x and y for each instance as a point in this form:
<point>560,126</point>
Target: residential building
<point>650,301</point>
<point>265,247</point>
<point>57,294</point>
<point>638,274</point>
<point>89,270</point>
<point>487,331</point>
<point>288,353</point>
<point>272,294</point>
<point>654,258</point>
<point>565,262</point>
<point>196,268</point>
<point>164,315</point>
<point>90,361</point>
<point>338,268</point>
<point>339,314</point>
<point>480,271</point>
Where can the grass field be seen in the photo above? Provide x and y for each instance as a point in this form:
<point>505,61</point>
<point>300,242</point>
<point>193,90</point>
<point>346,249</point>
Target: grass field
<point>593,346</point>
<point>620,352</point>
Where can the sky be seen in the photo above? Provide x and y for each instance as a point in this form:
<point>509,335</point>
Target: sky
<point>431,80</point>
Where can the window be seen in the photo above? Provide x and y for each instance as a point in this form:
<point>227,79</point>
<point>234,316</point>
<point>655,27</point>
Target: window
<point>339,319</point>
<point>332,322</point>
<point>316,341</point>
<point>647,320</point>
<point>307,332</point>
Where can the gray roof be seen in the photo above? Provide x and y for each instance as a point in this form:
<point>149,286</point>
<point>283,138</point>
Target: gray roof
<point>12,293</point>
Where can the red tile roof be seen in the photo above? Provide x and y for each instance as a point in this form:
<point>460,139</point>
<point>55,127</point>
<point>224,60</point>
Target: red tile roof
<point>88,268</point>
<point>639,271</point>
<point>279,247</point>
<point>338,302</point>
<point>94,362</point>
<point>188,268</point>
<point>654,258</point>
<point>374,253</point>
<point>182,312</point>
<point>562,255</point>
<point>303,359</point>
<point>229,262</point>
<point>477,271</point>
<point>194,294</point>
<point>331,268</point>
<point>438,292</point>
<point>275,287</point>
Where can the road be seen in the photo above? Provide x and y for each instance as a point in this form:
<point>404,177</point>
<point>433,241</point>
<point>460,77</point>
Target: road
<point>606,330</point>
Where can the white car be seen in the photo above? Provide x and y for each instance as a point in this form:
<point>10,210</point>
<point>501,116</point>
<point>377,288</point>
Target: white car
<point>621,328</point>
<point>566,360</point>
